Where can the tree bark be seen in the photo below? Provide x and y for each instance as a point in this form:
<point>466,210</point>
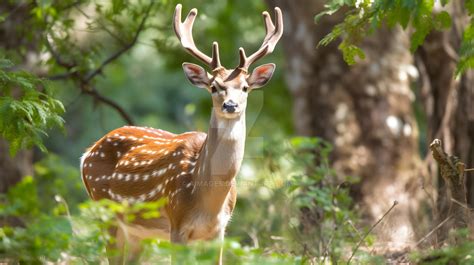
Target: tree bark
<point>13,169</point>
<point>365,110</point>
<point>449,106</point>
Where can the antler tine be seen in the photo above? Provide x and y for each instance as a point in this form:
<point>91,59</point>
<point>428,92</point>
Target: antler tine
<point>216,61</point>
<point>184,33</point>
<point>273,34</point>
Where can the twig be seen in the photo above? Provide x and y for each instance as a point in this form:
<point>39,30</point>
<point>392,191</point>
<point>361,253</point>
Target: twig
<point>125,48</point>
<point>113,35</point>
<point>434,230</point>
<point>93,92</point>
<point>463,205</point>
<point>468,169</point>
<point>56,56</point>
<point>370,230</point>
<point>85,80</point>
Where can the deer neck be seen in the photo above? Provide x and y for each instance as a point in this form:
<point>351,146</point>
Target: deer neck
<point>220,160</point>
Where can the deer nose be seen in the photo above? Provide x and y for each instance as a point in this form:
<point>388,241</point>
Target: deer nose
<point>230,106</point>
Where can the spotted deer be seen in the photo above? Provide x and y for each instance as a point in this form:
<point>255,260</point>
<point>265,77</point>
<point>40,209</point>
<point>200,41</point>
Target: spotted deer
<point>195,171</point>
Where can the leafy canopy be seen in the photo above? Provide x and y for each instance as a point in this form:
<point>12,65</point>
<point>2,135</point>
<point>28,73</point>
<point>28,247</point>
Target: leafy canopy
<point>365,16</point>
<point>27,108</point>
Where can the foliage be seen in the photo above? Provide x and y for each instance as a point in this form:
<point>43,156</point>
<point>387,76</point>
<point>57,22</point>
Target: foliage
<point>324,202</point>
<point>282,190</point>
<point>27,108</point>
<point>81,42</point>
<point>50,30</point>
<point>78,233</point>
<point>460,253</point>
<point>307,209</point>
<point>366,16</point>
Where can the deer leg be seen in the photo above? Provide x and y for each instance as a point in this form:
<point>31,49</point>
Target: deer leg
<point>177,237</point>
<point>114,252</point>
<point>221,240</point>
<point>126,248</point>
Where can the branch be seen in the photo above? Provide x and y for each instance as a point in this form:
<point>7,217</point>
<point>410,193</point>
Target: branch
<point>124,49</point>
<point>452,171</point>
<point>434,230</point>
<point>84,81</point>
<point>59,60</point>
<point>96,95</point>
<point>370,230</point>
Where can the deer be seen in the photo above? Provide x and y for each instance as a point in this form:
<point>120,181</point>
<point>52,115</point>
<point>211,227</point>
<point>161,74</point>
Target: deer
<point>194,171</point>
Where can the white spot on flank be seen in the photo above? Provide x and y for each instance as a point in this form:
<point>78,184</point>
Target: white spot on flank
<point>119,154</point>
<point>102,154</point>
<point>128,177</point>
<point>160,172</point>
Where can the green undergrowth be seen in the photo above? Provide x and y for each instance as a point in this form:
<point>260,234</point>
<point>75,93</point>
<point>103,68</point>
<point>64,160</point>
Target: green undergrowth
<point>296,210</point>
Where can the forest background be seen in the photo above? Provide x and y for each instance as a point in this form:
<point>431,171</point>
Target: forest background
<point>338,166</point>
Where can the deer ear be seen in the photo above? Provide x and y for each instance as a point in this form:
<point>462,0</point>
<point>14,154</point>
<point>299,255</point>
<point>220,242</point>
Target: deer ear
<point>196,75</point>
<point>261,75</point>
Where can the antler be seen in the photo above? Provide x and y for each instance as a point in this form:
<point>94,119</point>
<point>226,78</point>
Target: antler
<point>274,33</point>
<point>185,35</point>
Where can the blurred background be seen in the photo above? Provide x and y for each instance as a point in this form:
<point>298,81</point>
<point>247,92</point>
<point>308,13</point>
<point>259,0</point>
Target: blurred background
<point>331,147</point>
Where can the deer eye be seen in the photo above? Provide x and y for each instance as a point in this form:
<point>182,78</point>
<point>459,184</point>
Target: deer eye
<point>245,88</point>
<point>213,89</point>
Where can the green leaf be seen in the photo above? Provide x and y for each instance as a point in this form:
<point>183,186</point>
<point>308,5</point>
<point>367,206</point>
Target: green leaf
<point>4,63</point>
<point>469,4</point>
<point>442,20</point>
<point>350,52</point>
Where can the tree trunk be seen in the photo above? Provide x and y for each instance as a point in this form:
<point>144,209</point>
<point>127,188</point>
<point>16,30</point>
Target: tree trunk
<point>448,104</point>
<point>13,169</point>
<point>364,110</point>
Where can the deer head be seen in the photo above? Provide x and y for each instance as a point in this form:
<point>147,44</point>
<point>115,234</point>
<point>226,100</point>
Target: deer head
<point>229,87</point>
